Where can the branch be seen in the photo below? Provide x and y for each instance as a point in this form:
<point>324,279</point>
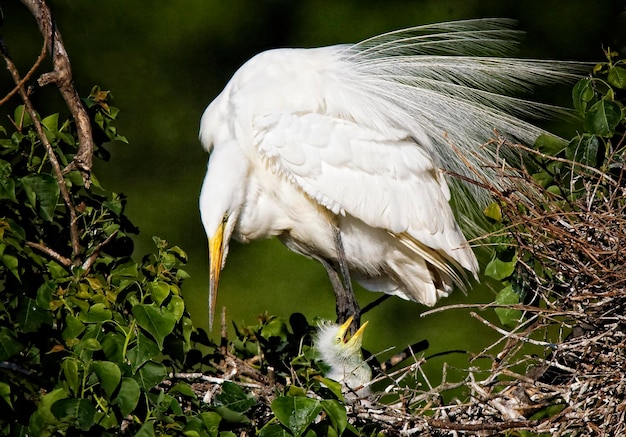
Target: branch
<point>51,253</point>
<point>51,155</point>
<point>61,76</point>
<point>25,79</point>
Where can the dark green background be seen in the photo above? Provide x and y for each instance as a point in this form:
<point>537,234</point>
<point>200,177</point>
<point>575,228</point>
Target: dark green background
<point>165,60</point>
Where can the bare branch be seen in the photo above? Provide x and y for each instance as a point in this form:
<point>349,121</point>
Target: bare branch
<point>26,78</point>
<point>51,253</point>
<point>61,76</point>
<point>51,155</point>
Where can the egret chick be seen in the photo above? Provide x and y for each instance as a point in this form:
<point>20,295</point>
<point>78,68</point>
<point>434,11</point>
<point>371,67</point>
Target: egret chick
<point>342,353</point>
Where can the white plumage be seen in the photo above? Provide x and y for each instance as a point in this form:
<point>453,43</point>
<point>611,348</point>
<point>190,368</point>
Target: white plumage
<point>355,137</point>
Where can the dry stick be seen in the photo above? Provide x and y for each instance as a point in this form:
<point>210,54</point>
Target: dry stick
<point>61,76</point>
<point>30,73</point>
<point>53,159</point>
<point>51,253</point>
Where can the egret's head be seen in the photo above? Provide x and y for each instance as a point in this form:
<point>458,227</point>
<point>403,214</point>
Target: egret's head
<point>221,200</point>
<point>334,342</point>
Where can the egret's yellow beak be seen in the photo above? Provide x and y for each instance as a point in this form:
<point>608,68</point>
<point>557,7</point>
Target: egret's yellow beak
<point>216,250</point>
<point>355,340</point>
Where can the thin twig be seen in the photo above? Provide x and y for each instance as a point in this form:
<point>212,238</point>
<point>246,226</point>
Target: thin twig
<point>66,262</point>
<point>74,237</point>
<point>28,75</point>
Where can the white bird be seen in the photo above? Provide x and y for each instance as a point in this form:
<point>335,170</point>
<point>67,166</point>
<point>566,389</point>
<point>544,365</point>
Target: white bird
<point>341,352</point>
<point>342,152</point>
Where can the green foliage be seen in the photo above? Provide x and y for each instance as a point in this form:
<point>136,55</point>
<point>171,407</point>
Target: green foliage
<point>85,338</point>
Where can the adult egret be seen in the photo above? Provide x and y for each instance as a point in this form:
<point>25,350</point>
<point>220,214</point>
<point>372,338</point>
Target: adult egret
<point>341,152</point>
<point>342,353</point>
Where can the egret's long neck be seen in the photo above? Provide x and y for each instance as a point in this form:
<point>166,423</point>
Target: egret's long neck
<point>224,188</point>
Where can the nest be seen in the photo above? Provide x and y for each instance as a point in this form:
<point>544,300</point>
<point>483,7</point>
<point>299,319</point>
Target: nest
<point>575,311</point>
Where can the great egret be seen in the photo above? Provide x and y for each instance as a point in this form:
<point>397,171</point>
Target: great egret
<point>342,353</point>
<point>341,151</point>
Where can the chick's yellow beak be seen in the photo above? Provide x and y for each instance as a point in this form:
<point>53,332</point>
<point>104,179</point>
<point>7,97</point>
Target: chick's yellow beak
<point>356,339</point>
<point>216,251</point>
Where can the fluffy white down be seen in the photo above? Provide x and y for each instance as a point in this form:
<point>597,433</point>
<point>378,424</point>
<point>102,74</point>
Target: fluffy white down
<point>345,361</point>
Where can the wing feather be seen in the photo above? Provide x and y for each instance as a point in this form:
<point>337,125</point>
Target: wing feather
<point>384,179</point>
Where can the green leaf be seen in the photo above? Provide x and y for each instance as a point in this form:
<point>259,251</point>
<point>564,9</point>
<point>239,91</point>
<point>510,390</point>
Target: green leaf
<point>7,183</point>
<point>128,396</point>
<point>603,117</point>
<point>91,344</point>
<point>127,270</point>
<point>232,416</point>
<point>543,178</point>
<point>549,144</point>
<point>233,397</point>
<point>78,412</point>
<point>175,307</point>
<point>184,389</point>
<point>46,403</point>
<point>617,77</point>
<point>582,94</point>
<point>584,149</point>
<point>337,414</point>
<point>272,430</point>
<point>97,313</point>
<point>508,316</point>
<point>73,327</point>
<point>22,117</point>
<point>150,375</point>
<point>70,368</point>
<point>159,291</point>
<point>296,413</point>
<point>205,424</point>
<point>109,375</point>
<point>5,393</point>
<point>42,192</point>
<point>146,430</point>
<point>144,350</point>
<point>157,322</point>
<point>493,211</point>
<point>113,346</point>
<point>10,261</point>
<point>51,123</point>
<point>9,345</point>
<point>31,316</point>
<point>333,386</point>
<point>210,420</point>
<point>500,269</point>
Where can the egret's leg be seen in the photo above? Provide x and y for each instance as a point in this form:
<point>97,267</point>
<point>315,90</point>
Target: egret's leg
<point>346,301</point>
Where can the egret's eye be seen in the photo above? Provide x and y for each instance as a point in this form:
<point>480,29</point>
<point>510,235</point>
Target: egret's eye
<point>225,218</point>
